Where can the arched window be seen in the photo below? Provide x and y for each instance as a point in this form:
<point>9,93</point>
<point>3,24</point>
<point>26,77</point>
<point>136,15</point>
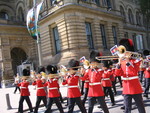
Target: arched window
<point>20,14</point>
<point>130,16</point>
<point>4,15</point>
<point>138,18</point>
<point>122,12</point>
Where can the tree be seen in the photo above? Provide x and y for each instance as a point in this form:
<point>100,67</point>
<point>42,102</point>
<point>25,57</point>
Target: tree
<point>145,10</point>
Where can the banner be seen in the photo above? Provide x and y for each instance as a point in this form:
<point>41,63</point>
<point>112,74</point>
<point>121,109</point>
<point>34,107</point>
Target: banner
<point>32,20</point>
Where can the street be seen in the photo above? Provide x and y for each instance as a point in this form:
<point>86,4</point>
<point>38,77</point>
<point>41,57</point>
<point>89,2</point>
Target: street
<point>14,100</point>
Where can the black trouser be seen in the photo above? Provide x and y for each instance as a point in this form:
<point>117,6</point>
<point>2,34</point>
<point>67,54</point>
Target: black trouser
<point>71,103</point>
<point>82,87</point>
<point>109,90</point>
<point>38,100</point>
<point>114,87</point>
<point>100,100</point>
<point>17,87</point>
<point>138,101</point>
<point>22,98</point>
<point>147,85</point>
<point>119,78</point>
<point>58,104</point>
<point>85,95</point>
<point>141,75</point>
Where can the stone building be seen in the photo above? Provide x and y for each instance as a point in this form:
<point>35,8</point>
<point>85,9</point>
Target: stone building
<point>68,29</point>
<point>16,45</point>
<point>72,28</point>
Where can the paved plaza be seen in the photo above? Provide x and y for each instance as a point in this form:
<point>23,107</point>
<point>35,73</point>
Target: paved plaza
<point>14,100</point>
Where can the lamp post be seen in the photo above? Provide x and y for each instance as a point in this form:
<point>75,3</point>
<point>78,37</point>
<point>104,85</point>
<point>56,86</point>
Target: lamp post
<point>38,36</point>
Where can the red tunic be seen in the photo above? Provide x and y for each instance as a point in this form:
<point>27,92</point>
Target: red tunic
<point>73,90</point>
<point>24,88</point>
<point>131,84</point>
<point>53,87</point>
<point>95,87</point>
<point>106,81</point>
<point>112,76</point>
<point>147,73</point>
<point>118,73</point>
<point>86,83</point>
<point>40,88</point>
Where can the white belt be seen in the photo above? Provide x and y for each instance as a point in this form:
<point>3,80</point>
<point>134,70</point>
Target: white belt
<point>95,83</point>
<point>40,88</point>
<point>53,88</point>
<point>129,78</point>
<point>72,86</point>
<point>86,80</point>
<point>23,87</point>
<point>106,79</point>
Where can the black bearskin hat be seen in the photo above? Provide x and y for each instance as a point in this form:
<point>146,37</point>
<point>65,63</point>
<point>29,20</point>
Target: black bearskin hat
<point>93,56</point>
<point>73,63</point>
<point>51,69</point>
<point>127,43</point>
<point>26,72</point>
<point>41,69</point>
<point>106,63</point>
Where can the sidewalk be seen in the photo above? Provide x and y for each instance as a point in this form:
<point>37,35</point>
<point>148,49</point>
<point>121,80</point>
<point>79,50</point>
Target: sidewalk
<point>14,100</point>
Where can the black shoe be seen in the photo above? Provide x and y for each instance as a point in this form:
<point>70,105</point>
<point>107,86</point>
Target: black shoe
<point>145,95</point>
<point>112,104</point>
<point>123,107</point>
<point>99,107</point>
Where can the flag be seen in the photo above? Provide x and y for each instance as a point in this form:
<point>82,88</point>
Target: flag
<point>114,50</point>
<point>82,59</point>
<point>148,58</point>
<point>32,20</point>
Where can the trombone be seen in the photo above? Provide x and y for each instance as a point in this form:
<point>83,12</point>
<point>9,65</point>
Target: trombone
<point>107,58</point>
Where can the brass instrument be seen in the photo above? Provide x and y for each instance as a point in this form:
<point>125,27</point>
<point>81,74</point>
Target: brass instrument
<point>107,58</point>
<point>122,53</point>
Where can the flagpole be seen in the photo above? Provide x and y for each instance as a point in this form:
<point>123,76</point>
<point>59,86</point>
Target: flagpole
<point>38,37</point>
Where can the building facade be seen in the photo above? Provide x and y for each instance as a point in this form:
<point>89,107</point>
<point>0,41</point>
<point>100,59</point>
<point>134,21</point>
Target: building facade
<point>16,45</point>
<point>72,28</point>
<point>68,29</point>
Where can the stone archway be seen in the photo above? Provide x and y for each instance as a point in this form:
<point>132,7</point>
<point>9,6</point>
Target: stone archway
<point>18,56</point>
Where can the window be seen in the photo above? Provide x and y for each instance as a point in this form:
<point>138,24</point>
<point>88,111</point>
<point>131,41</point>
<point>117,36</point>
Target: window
<point>131,18</point>
<point>122,12</point>
<point>52,1</point>
<point>107,3</point>
<point>139,42</point>
<point>103,34</point>
<point>114,34</point>
<point>138,18</point>
<point>56,40</point>
<point>89,35</point>
<point>4,15</point>
<point>134,39</point>
<point>20,14</point>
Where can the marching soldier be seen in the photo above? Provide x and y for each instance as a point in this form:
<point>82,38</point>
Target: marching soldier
<point>95,88</point>
<point>24,91</point>
<point>16,83</point>
<point>147,80</point>
<point>131,84</point>
<point>106,81</point>
<point>73,89</point>
<point>41,94</point>
<point>53,92</point>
